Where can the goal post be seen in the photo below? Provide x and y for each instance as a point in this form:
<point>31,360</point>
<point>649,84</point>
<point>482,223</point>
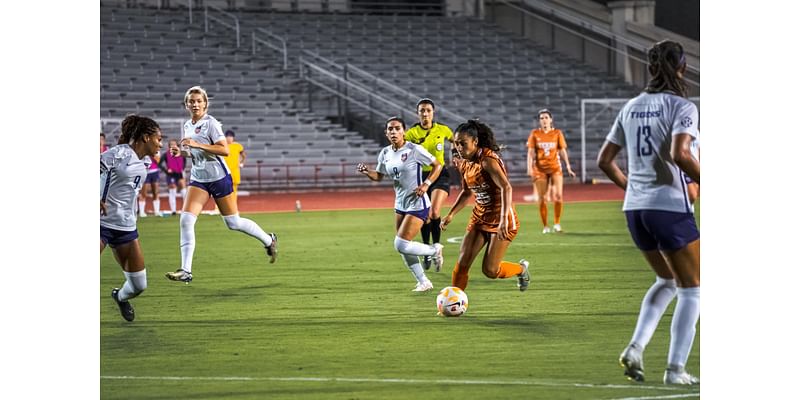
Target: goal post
<point>597,116</point>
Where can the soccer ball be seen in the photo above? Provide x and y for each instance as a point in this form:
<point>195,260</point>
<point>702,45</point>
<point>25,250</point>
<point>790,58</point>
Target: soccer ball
<point>451,302</point>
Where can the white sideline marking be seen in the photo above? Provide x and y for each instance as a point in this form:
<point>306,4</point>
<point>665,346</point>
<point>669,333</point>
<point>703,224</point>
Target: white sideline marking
<point>666,396</point>
<point>393,380</point>
<point>458,239</point>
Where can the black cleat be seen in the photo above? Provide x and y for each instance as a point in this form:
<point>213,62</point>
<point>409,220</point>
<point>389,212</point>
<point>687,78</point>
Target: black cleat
<point>272,250</point>
<point>125,308</point>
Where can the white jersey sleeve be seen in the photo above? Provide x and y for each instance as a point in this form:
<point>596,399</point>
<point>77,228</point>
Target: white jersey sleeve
<point>381,166</point>
<point>422,156</point>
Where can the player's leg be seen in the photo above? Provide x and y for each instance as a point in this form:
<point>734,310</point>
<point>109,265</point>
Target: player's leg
<point>542,187</point>
<point>685,264</point>
<point>408,226</point>
<point>494,267</point>
<point>557,191</point>
<point>196,198</point>
<point>230,214</point>
<point>156,201</point>
<point>471,245</point>
<point>142,201</point>
<point>131,259</point>
<point>438,197</point>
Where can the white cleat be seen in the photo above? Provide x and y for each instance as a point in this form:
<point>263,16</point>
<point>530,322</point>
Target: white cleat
<point>679,376</point>
<point>438,258</point>
<point>631,360</point>
<point>546,230</point>
<point>524,278</point>
<point>557,228</point>
<point>423,287</point>
<point>531,198</point>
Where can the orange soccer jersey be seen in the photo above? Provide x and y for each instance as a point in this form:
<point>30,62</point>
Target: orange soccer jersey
<point>547,146</point>
<point>488,202</point>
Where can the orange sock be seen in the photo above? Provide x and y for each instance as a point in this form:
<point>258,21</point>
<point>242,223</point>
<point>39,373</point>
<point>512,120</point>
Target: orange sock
<point>509,269</point>
<point>460,277</point>
<point>559,208</point>
<point>543,212</point>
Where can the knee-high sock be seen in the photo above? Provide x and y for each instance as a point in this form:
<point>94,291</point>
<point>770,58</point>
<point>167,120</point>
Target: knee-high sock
<point>426,233</point>
<point>183,193</point>
<point>506,270</point>
<point>172,196</point>
<point>135,283</point>
<point>654,303</point>
<point>436,230</point>
<point>413,248</point>
<point>142,204</point>
<point>237,223</point>
<point>684,323</point>
<point>187,240</point>
<point>156,205</point>
<point>412,262</point>
<point>460,276</point>
<point>543,212</point>
<point>559,207</point>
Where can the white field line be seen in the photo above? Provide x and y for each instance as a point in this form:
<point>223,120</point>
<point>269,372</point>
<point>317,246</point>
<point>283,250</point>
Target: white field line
<point>666,396</point>
<point>458,239</point>
<point>391,380</point>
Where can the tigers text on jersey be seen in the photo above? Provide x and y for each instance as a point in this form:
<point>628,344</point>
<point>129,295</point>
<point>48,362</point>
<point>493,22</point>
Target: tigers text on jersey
<point>123,175</point>
<point>645,127</point>
<point>488,196</point>
<point>431,140</point>
<point>206,167</point>
<point>404,166</point>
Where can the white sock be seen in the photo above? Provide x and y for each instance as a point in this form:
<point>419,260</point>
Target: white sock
<point>412,262</point>
<point>141,207</point>
<point>684,321</point>
<point>183,194</point>
<point>135,283</point>
<point>157,205</point>
<point>172,202</point>
<point>237,223</point>
<point>413,248</point>
<point>654,303</point>
<point>187,240</point>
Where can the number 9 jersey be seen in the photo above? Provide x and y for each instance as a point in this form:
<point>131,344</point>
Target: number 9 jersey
<point>122,175</point>
<point>645,127</point>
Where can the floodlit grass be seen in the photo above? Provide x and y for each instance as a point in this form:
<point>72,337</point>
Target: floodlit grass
<point>335,317</point>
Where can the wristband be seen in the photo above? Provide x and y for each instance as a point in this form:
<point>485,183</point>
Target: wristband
<point>428,182</point>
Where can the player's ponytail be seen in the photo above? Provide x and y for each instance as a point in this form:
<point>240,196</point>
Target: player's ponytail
<point>665,59</point>
<point>477,129</point>
<point>134,128</point>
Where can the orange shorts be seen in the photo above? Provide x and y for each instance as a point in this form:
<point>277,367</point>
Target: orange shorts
<point>539,173</point>
<point>476,224</point>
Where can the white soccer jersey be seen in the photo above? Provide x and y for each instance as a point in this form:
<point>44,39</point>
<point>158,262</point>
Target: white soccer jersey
<point>404,166</point>
<point>122,176</point>
<point>206,167</point>
<point>645,127</point>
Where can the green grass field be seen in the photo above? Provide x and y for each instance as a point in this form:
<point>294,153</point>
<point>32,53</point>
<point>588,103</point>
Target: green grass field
<point>335,317</point>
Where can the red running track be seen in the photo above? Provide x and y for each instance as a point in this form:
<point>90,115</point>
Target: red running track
<point>384,198</point>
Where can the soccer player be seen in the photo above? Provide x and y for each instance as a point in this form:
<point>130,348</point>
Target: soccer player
<point>546,148</point>
<point>403,161</point>
<point>235,158</point>
<point>123,169</point>
<point>151,182</point>
<point>175,164</point>
<point>657,129</point>
<point>431,135</point>
<point>210,177</point>
<point>494,221</point>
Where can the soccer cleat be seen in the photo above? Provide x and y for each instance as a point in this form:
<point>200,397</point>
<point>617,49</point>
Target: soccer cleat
<point>423,286</point>
<point>125,308</point>
<point>546,229</point>
<point>531,197</point>
<point>679,376</point>
<point>557,228</point>
<point>438,258</point>
<point>524,278</point>
<point>180,276</point>
<point>426,262</point>
<point>631,360</point>
<point>272,249</point>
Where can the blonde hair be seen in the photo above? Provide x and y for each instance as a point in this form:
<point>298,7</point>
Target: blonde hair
<point>196,89</point>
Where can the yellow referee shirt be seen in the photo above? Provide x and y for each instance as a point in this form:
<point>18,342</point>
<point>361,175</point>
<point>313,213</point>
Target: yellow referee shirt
<point>431,139</point>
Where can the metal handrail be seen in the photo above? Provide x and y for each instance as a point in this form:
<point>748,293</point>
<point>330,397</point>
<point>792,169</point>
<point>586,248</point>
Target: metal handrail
<point>221,21</point>
<point>281,49</point>
<point>586,25</point>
